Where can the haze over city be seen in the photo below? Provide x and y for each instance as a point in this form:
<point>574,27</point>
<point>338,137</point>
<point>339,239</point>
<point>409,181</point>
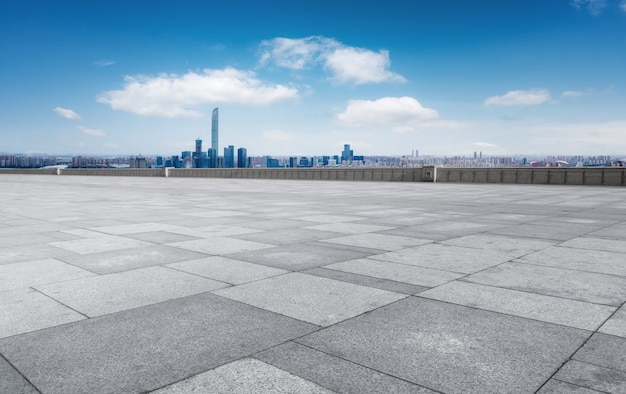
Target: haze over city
<point>446,77</point>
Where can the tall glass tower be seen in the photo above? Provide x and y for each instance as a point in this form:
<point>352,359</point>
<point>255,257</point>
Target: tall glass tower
<point>214,130</point>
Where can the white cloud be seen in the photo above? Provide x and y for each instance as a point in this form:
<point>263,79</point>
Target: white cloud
<point>67,113</point>
<point>92,132</point>
<point>484,145</point>
<point>346,64</point>
<point>572,93</point>
<point>401,114</point>
<point>623,5</point>
<point>581,138</point>
<point>171,95</point>
<point>277,135</point>
<point>104,62</point>
<point>520,97</point>
<point>595,7</point>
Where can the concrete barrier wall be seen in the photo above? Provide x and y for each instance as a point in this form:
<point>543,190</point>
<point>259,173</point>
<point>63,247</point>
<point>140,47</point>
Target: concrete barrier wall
<point>609,176</point>
<point>606,176</point>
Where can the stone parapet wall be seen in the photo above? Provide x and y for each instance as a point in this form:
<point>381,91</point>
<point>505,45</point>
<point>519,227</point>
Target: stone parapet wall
<point>606,176</point>
<point>601,176</point>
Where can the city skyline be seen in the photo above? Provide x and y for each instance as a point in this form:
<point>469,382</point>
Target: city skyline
<point>447,77</point>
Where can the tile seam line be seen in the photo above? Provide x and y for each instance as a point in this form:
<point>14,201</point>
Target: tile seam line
<point>517,261</point>
<point>573,384</point>
<point>20,373</point>
<point>255,355</point>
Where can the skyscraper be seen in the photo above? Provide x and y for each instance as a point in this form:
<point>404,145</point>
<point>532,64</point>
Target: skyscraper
<point>197,155</point>
<point>215,130</point>
<point>242,158</point>
<point>229,157</point>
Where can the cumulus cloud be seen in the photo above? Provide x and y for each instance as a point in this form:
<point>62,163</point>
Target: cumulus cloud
<point>172,95</point>
<point>67,113</point>
<point>520,97</point>
<point>401,114</point>
<point>277,135</point>
<point>623,5</point>
<point>104,62</point>
<point>572,93</point>
<point>346,64</point>
<point>595,7</point>
<point>91,132</point>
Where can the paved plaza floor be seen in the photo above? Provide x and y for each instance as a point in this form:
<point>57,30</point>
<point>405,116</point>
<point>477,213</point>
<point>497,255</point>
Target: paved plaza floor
<point>195,285</point>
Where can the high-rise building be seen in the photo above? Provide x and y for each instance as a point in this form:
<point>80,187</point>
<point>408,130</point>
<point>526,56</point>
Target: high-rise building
<point>242,158</point>
<point>197,155</point>
<point>215,130</point>
<point>229,157</point>
<point>212,158</point>
<point>347,154</point>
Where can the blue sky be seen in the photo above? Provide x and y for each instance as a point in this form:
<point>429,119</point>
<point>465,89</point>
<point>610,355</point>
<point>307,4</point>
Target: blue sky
<point>445,77</point>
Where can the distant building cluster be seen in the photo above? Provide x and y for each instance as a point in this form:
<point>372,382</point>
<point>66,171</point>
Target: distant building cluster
<point>239,158</point>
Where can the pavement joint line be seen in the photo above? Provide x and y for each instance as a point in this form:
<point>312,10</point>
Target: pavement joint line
<point>20,373</point>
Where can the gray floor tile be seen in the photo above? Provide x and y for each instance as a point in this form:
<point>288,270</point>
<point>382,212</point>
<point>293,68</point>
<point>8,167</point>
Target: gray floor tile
<point>349,228</point>
<point>99,244</point>
<point>369,281</point>
<point>451,348</point>
<point>614,231</point>
<point>26,310</point>
<point>592,376</point>
<point>579,259</point>
<point>558,387</point>
<point>616,325</point>
<point>32,273</point>
<point>219,245</point>
<point>134,228</point>
<point>161,237</point>
<point>329,218</point>
<point>106,294</point>
<point>609,245</point>
<point>310,298</point>
<point>298,256</point>
<point>569,313</point>
<point>543,231</point>
<point>227,270</point>
<point>511,245</point>
<point>575,285</point>
<point>378,241</point>
<point>11,382</point>
<point>419,276</point>
<point>214,230</point>
<point>605,351</point>
<point>446,257</point>
<point>129,259</point>
<point>287,236</point>
<point>17,254</point>
<point>161,344</point>
<point>335,373</point>
<point>243,377</point>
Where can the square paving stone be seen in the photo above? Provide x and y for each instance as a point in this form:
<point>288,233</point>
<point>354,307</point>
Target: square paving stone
<point>616,325</point>
<point>309,298</point>
<point>602,244</point>
<point>369,281</point>
<point>569,313</point>
<point>511,245</point>
<point>329,218</point>
<point>244,377</point>
<point>349,228</point>
<point>219,245</point>
<point>605,351</point>
<point>11,382</point>
<point>147,348</point>
<point>615,231</point>
<point>451,348</point>
<point>25,310</point>
<point>558,387</point>
<point>335,373</point>
<point>298,257</point>
<point>398,272</point>
<point>287,236</point>
<point>227,270</point>
<point>575,285</point>
<point>106,294</point>
<point>602,262</point>
<point>378,241</point>
<point>16,254</point>
<point>606,380</point>
<point>134,228</point>
<point>215,230</point>
<point>161,237</point>
<point>558,232</point>
<point>99,244</point>
<point>32,273</point>
<point>446,257</point>
<point>128,259</point>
